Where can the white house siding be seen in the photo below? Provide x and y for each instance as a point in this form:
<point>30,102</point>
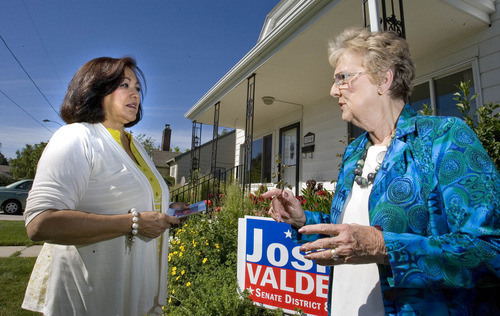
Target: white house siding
<point>489,59</point>
<point>183,168</point>
<point>240,140</point>
<point>324,119</point>
<point>225,154</point>
<point>481,47</point>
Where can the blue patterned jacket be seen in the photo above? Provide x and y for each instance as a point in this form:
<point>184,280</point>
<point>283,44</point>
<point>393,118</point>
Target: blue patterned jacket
<point>436,196</point>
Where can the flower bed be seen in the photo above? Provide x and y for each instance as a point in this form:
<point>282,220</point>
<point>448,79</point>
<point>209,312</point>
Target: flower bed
<point>203,255</point>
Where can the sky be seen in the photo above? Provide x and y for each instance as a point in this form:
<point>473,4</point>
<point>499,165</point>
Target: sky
<point>183,47</point>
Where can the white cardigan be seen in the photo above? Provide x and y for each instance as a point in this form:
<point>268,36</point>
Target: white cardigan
<point>85,169</point>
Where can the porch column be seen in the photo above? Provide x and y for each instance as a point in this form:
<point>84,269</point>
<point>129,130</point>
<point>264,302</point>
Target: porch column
<point>390,21</point>
<point>373,15</point>
<point>249,133</point>
<point>195,147</point>
<point>215,138</point>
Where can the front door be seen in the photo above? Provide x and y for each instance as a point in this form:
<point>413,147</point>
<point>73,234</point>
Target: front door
<point>289,152</point>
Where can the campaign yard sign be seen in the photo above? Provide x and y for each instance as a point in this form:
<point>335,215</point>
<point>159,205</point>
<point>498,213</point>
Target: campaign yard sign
<point>275,272</point>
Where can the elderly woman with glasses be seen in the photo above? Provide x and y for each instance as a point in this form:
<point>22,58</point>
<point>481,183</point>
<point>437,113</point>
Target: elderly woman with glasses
<point>414,227</point>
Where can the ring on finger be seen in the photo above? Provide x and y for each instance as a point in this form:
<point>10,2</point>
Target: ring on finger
<point>335,256</point>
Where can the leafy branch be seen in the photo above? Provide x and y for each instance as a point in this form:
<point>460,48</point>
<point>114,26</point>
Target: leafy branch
<point>487,126</point>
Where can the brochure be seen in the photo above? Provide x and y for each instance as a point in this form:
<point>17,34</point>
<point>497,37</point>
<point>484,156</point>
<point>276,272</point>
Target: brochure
<point>193,209</point>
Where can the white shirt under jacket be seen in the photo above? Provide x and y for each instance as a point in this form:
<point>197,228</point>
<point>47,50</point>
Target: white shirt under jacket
<point>85,169</point>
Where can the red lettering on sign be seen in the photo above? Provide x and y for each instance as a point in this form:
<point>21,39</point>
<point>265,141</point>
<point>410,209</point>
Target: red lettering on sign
<point>287,288</point>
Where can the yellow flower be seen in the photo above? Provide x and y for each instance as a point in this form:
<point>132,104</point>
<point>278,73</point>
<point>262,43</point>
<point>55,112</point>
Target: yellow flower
<point>182,272</point>
<point>204,260</point>
<point>180,255</point>
<point>177,278</point>
<point>188,284</point>
<point>173,291</point>
<point>181,248</point>
<point>217,246</point>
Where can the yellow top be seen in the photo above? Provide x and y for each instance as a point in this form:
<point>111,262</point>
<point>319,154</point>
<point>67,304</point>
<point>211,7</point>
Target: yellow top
<point>143,166</point>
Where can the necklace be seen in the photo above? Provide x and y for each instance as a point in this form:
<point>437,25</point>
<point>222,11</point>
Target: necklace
<point>358,171</point>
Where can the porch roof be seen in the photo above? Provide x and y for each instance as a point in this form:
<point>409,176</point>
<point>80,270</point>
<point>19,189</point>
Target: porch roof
<point>290,59</point>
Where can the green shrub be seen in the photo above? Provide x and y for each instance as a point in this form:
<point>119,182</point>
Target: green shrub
<point>202,268</point>
<point>6,180</point>
<point>202,271</point>
<point>485,122</point>
<point>170,181</point>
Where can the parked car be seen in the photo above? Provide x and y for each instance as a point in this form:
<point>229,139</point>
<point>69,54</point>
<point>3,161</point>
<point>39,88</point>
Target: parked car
<point>13,197</point>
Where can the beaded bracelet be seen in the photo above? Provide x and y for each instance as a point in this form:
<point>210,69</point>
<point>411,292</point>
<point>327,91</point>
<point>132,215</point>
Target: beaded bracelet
<point>135,224</point>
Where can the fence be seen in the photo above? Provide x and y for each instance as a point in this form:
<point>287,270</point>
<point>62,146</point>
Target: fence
<point>207,186</point>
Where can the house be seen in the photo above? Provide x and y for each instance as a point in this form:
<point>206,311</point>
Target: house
<point>277,96</point>
<point>161,158</point>
<point>180,166</point>
<point>5,171</point>
<point>162,155</point>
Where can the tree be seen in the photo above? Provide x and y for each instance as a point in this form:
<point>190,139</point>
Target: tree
<point>147,142</point>
<point>3,160</point>
<point>6,180</point>
<point>24,165</point>
<point>485,122</point>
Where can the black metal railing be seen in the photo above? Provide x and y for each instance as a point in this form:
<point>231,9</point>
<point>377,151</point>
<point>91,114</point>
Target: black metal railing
<point>206,187</point>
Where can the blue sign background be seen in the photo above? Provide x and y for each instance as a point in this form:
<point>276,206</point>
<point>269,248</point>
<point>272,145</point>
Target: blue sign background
<point>274,232</point>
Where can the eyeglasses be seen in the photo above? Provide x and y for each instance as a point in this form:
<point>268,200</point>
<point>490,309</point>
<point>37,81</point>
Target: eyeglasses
<point>342,78</point>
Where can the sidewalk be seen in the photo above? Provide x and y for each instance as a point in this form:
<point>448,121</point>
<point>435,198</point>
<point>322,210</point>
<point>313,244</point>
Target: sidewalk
<point>7,251</point>
<point>33,251</point>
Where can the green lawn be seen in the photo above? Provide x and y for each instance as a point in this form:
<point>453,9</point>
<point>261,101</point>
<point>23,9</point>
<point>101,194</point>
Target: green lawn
<point>14,271</point>
<point>13,233</point>
<point>14,275</point>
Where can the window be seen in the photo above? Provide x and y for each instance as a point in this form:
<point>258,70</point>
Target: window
<point>438,93</point>
<point>260,165</point>
<point>354,132</point>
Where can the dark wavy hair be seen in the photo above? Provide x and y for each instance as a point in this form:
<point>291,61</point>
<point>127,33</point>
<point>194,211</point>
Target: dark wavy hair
<point>91,83</point>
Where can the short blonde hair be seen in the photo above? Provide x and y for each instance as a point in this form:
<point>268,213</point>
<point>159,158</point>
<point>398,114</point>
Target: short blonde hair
<point>382,51</point>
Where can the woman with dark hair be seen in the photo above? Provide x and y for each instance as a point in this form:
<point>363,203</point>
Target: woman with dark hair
<point>99,204</point>
<point>91,83</point>
<point>414,226</point>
